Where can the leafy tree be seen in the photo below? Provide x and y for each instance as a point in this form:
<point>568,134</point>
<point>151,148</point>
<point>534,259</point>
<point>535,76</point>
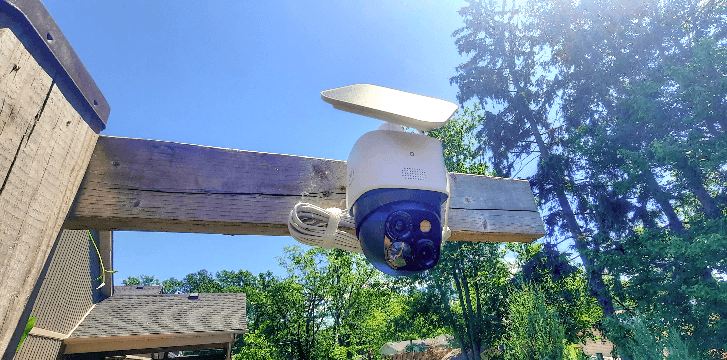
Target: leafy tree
<point>340,293</point>
<point>332,305</point>
<point>645,339</point>
<point>475,275</point>
<point>670,277</point>
<point>256,347</point>
<point>173,286</point>
<point>459,143</point>
<point>413,315</point>
<point>562,287</point>
<point>142,280</point>
<point>513,67</point>
<point>534,330</point>
<point>624,105</point>
<point>465,292</point>
<point>201,282</point>
<point>543,262</point>
<point>652,159</point>
<point>471,275</point>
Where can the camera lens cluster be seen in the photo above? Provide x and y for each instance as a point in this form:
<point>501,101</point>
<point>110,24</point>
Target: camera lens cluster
<point>400,231</point>
<point>407,241</point>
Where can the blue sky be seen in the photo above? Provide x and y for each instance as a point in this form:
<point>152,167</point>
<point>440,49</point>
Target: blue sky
<point>248,75</point>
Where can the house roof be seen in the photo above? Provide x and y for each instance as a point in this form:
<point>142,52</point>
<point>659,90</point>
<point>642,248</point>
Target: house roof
<point>131,315</point>
<point>400,346</point>
<point>138,290</point>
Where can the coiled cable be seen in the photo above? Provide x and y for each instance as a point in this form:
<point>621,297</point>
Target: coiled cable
<point>315,226</point>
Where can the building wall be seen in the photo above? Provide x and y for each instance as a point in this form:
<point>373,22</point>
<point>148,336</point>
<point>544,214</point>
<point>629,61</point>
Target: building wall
<point>66,293</point>
<point>600,346</point>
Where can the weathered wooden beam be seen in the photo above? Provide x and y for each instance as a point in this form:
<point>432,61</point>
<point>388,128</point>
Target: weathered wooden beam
<point>45,145</point>
<point>148,185</point>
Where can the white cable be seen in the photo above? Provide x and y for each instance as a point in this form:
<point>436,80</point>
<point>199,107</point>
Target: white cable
<point>315,226</point>
<point>332,227</point>
<point>446,232</point>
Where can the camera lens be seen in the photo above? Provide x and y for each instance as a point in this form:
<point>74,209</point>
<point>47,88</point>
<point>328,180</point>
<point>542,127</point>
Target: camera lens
<point>399,230</point>
<point>425,253</point>
<point>397,254</point>
<point>398,225</point>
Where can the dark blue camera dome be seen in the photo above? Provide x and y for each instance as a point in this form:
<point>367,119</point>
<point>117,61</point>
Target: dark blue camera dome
<point>400,230</point>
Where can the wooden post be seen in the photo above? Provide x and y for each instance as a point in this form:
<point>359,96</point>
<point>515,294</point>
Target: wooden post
<point>228,356</point>
<point>45,146</point>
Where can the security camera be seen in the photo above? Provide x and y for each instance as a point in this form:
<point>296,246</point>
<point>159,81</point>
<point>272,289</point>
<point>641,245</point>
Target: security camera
<point>396,180</point>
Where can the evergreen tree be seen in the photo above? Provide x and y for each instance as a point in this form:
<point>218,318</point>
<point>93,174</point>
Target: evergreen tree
<point>624,105</point>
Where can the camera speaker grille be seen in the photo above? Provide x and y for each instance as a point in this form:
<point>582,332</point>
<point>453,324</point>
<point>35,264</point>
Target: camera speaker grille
<point>410,173</point>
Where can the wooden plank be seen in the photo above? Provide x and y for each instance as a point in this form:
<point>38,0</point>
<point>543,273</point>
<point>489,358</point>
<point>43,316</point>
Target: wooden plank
<point>150,341</point>
<point>105,244</point>
<point>47,333</point>
<point>45,146</point>
<point>148,185</point>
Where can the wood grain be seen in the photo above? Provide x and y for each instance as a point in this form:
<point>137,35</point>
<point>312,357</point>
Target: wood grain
<point>45,147</point>
<point>148,185</point>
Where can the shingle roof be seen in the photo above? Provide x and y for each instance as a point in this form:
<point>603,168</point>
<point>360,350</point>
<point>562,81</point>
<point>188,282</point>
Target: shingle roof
<point>164,314</point>
<point>400,346</point>
<point>138,290</point>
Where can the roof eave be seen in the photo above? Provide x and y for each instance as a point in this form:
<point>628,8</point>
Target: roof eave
<point>146,341</point>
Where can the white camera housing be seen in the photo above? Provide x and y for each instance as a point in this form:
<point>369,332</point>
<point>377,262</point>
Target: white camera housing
<point>396,180</point>
<point>397,160</point>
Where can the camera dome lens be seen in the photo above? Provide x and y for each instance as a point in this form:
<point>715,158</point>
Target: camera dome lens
<point>398,225</point>
<point>425,253</point>
<point>397,254</point>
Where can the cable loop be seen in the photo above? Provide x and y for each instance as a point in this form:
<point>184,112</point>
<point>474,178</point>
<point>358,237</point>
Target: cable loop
<point>315,226</point>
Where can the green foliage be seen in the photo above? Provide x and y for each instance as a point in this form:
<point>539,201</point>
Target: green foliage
<point>642,338</point>
<point>28,326</point>
<point>624,105</point>
<point>574,352</point>
<point>331,305</point>
<point>674,276</point>
<point>172,286</point>
<point>256,347</point>
<point>475,276</point>
<point>465,292</point>
<point>459,142</point>
<point>131,280</point>
<point>141,280</point>
<point>547,262</point>
<point>534,330</point>
<point>562,285</point>
<point>345,306</point>
<point>335,305</point>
